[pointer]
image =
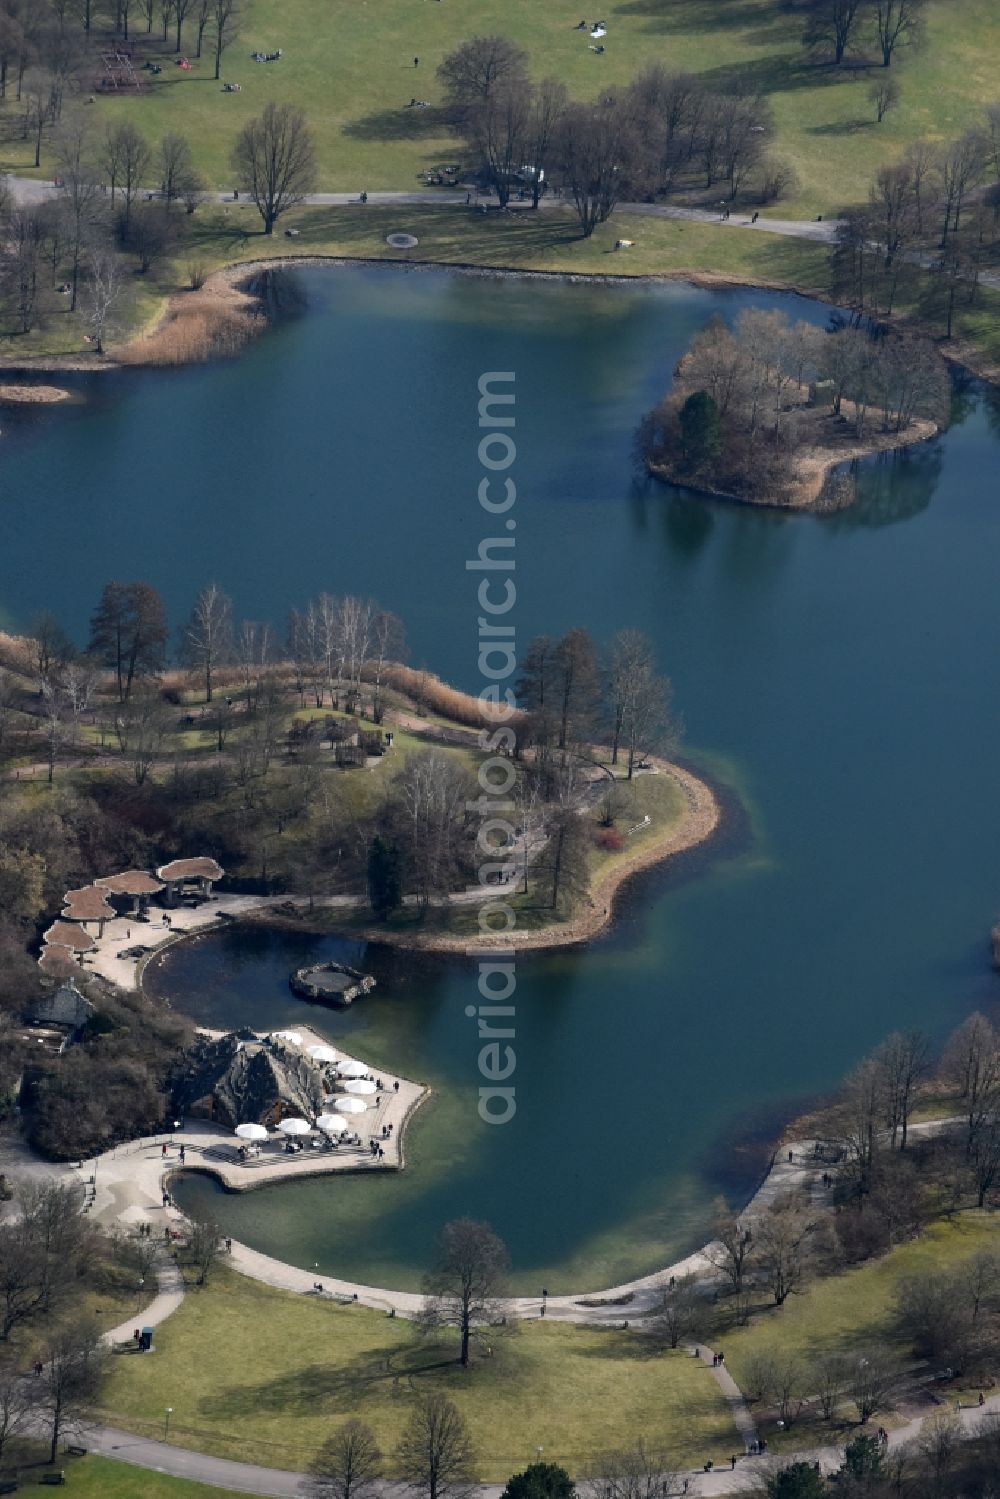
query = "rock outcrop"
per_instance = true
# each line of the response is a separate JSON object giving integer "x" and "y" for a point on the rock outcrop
{"x": 330, "y": 984}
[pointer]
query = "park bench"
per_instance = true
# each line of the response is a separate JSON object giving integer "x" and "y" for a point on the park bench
{"x": 8, "y": 1486}
{"x": 77, "y": 1451}
{"x": 52, "y": 1479}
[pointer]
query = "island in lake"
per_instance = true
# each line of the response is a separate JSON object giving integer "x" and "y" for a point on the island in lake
{"x": 768, "y": 411}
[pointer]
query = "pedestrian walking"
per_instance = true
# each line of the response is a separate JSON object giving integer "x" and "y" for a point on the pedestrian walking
{"x": 416, "y": 62}
{"x": 163, "y": 1150}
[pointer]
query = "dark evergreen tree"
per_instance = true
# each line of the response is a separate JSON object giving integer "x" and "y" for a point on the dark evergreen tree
{"x": 385, "y": 884}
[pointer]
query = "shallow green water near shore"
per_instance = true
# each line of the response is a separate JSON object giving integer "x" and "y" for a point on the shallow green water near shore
{"x": 839, "y": 674}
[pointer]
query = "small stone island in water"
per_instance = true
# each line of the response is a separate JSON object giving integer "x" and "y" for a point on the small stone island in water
{"x": 330, "y": 984}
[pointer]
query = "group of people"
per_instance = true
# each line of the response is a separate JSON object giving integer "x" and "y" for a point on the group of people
{"x": 266, "y": 56}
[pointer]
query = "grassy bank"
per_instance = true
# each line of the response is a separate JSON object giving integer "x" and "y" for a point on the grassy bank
{"x": 263, "y": 1375}
{"x": 103, "y": 1478}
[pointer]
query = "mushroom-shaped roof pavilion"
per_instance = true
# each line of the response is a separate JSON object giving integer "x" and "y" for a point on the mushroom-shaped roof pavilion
{"x": 68, "y": 934}
{"x": 130, "y": 882}
{"x": 58, "y": 962}
{"x": 87, "y": 904}
{"x": 200, "y": 868}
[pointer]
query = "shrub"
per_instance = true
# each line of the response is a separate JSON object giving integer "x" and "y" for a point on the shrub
{"x": 777, "y": 178}
{"x": 609, "y": 839}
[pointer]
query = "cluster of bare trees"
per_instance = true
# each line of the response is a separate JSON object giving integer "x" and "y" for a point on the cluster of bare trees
{"x": 118, "y": 198}
{"x": 746, "y": 397}
{"x": 574, "y": 697}
{"x": 663, "y": 131}
{"x": 937, "y": 209}
{"x": 45, "y": 1249}
{"x": 840, "y": 29}
{"x": 336, "y": 644}
{"x": 54, "y": 36}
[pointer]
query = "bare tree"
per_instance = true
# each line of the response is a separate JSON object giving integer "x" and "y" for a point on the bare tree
{"x": 176, "y": 167}
{"x": 897, "y": 23}
{"x": 781, "y": 1237}
{"x": 985, "y": 1157}
{"x": 872, "y": 1382}
{"x": 496, "y": 128}
{"x": 732, "y": 1246}
{"x": 203, "y": 1247}
{"x": 21, "y": 266}
{"x": 832, "y": 23}
{"x": 103, "y": 287}
{"x": 679, "y": 1314}
{"x": 388, "y": 644}
{"x": 128, "y": 633}
{"x": 962, "y": 164}
{"x": 73, "y": 1363}
{"x": 971, "y": 1063}
{"x": 126, "y": 159}
{"x": 207, "y": 641}
{"x": 435, "y": 1453}
{"x": 639, "y": 699}
{"x": 477, "y": 69}
{"x": 181, "y": 8}
{"x": 141, "y": 725}
{"x": 275, "y": 161}
{"x": 638, "y": 1472}
{"x": 903, "y": 1059}
{"x": 465, "y": 1286}
{"x": 80, "y": 193}
{"x": 16, "y": 1406}
{"x": 227, "y": 16}
{"x": 884, "y": 95}
{"x": 202, "y": 14}
{"x": 348, "y": 1465}
{"x": 826, "y": 1378}
{"x": 548, "y": 105}
{"x": 598, "y": 154}
{"x": 863, "y": 1110}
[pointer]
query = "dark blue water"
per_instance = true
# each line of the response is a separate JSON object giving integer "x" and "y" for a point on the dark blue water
{"x": 838, "y": 674}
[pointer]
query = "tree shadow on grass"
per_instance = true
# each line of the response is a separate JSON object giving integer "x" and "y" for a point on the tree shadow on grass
{"x": 351, "y": 1387}
{"x": 402, "y": 124}
{"x": 776, "y": 74}
{"x": 841, "y": 127}
{"x": 695, "y": 16}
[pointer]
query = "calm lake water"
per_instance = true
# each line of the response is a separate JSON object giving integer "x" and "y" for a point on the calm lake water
{"x": 838, "y": 675}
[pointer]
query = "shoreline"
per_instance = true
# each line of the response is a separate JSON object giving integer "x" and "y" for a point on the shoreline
{"x": 811, "y": 469}
{"x": 699, "y": 824}
{"x": 225, "y": 290}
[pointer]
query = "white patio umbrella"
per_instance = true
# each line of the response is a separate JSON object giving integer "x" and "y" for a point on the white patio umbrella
{"x": 351, "y": 1068}
{"x": 350, "y": 1106}
{"x": 362, "y": 1086}
{"x": 251, "y": 1132}
{"x": 331, "y": 1124}
{"x": 293, "y": 1038}
{"x": 321, "y": 1053}
{"x": 295, "y": 1127}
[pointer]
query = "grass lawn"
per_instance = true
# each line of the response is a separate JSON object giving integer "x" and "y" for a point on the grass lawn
{"x": 657, "y": 797}
{"x": 349, "y": 64}
{"x": 855, "y": 1309}
{"x": 103, "y": 1478}
{"x": 264, "y": 1375}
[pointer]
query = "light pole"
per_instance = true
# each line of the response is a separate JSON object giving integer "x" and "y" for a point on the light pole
{"x": 166, "y": 1420}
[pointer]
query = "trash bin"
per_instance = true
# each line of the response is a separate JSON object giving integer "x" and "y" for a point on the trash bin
{"x": 146, "y": 1340}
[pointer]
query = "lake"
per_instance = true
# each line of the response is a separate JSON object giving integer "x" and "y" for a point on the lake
{"x": 837, "y": 676}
